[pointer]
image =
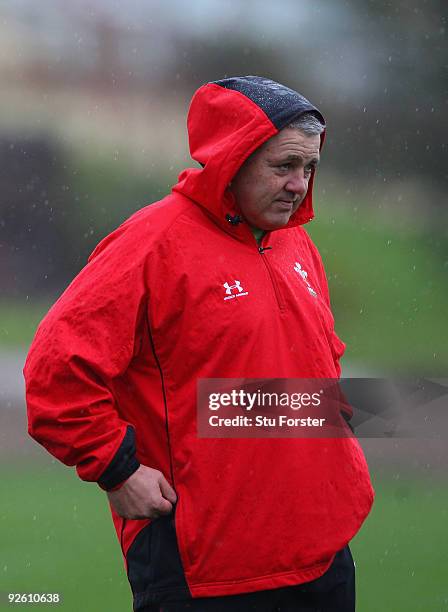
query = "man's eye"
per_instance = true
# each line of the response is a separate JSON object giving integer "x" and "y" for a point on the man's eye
{"x": 308, "y": 170}
{"x": 285, "y": 166}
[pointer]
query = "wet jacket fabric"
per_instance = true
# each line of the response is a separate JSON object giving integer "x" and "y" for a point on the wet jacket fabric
{"x": 112, "y": 372}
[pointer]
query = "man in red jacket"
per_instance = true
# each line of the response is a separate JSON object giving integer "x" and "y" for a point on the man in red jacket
{"x": 204, "y": 523}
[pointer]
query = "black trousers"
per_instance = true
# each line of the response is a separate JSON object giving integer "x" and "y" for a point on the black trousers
{"x": 332, "y": 592}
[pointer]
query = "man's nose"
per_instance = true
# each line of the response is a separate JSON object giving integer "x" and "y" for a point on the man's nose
{"x": 297, "y": 183}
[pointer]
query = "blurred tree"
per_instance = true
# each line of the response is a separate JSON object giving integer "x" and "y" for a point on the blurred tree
{"x": 33, "y": 228}
{"x": 56, "y": 207}
{"x": 211, "y": 58}
{"x": 394, "y": 130}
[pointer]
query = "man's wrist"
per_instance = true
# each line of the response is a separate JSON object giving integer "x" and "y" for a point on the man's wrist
{"x": 118, "y": 486}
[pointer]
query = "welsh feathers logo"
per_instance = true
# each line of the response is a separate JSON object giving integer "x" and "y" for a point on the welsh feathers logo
{"x": 234, "y": 291}
{"x": 298, "y": 268}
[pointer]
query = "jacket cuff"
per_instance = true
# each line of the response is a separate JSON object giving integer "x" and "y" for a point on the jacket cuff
{"x": 123, "y": 465}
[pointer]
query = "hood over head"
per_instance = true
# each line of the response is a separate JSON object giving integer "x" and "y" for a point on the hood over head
{"x": 227, "y": 121}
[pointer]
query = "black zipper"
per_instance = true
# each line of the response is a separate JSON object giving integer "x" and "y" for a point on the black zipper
{"x": 262, "y": 250}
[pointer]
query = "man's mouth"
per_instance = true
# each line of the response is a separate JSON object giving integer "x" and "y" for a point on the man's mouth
{"x": 286, "y": 204}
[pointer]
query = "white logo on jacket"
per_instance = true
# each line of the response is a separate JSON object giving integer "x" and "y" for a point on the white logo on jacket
{"x": 298, "y": 268}
{"x": 234, "y": 291}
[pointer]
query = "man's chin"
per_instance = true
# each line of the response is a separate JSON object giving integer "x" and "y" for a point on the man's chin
{"x": 276, "y": 223}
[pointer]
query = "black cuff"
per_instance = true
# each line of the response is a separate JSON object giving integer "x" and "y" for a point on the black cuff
{"x": 123, "y": 465}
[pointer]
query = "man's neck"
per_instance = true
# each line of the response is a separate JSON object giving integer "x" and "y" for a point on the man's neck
{"x": 258, "y": 233}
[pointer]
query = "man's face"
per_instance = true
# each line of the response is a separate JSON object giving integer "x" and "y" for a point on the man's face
{"x": 270, "y": 185}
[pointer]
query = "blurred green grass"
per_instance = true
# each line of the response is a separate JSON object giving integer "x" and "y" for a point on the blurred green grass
{"x": 401, "y": 553}
{"x": 388, "y": 289}
{"x": 19, "y": 320}
{"x": 57, "y": 536}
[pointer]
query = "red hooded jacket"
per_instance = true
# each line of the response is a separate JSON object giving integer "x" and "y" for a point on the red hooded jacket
{"x": 112, "y": 372}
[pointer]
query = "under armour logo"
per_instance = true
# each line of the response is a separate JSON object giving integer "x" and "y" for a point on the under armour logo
{"x": 233, "y": 291}
{"x": 236, "y": 286}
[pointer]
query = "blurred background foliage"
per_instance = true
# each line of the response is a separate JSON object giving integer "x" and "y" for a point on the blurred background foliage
{"x": 93, "y": 103}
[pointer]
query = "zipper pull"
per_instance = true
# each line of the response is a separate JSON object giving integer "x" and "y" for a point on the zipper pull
{"x": 263, "y": 249}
